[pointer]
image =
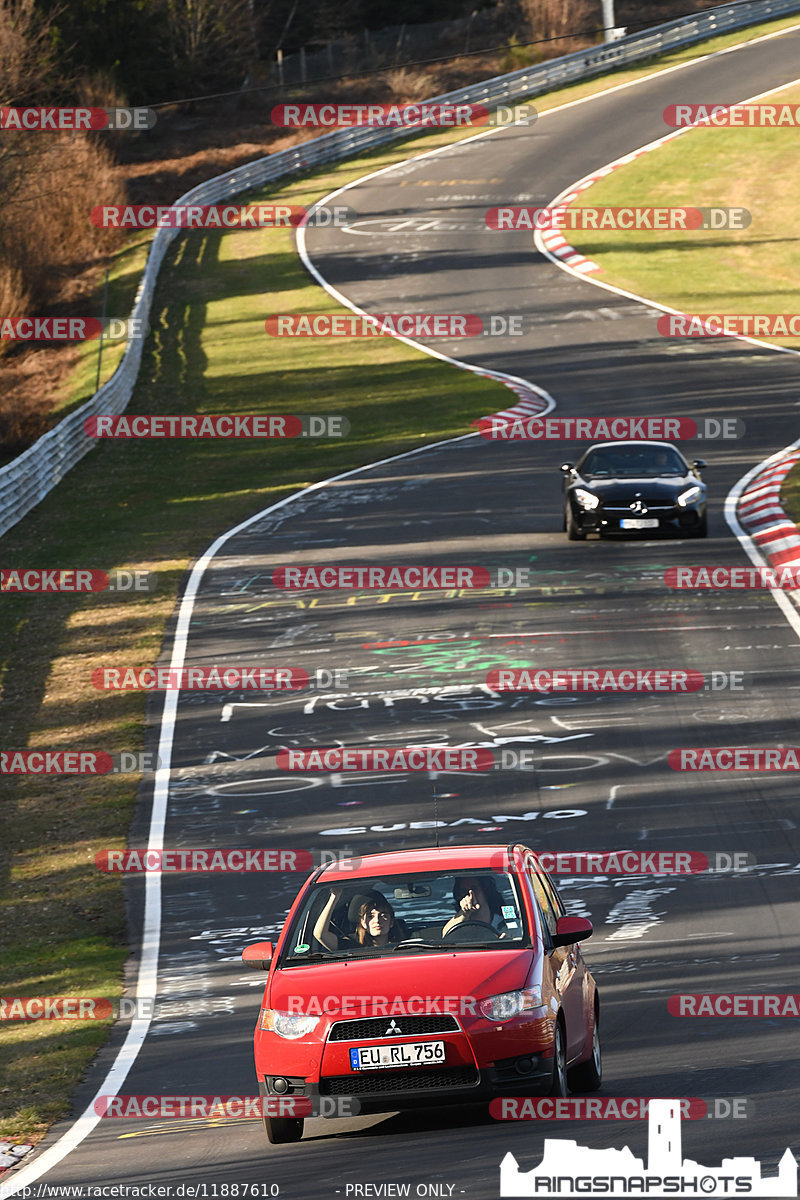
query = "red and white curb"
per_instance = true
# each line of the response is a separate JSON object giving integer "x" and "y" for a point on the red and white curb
{"x": 760, "y": 513}
{"x": 532, "y": 402}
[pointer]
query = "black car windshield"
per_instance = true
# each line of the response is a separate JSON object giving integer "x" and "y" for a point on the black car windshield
{"x": 631, "y": 462}
{"x": 416, "y": 914}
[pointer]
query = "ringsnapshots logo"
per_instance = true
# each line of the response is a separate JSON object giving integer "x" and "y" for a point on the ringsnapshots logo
{"x": 256, "y": 425}
{"x": 597, "y": 429}
{"x": 732, "y": 116}
{"x": 398, "y": 116}
{"x": 54, "y": 120}
{"x": 568, "y": 1169}
{"x": 46, "y": 580}
{"x": 639, "y": 219}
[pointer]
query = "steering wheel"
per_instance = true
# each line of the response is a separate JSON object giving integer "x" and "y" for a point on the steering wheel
{"x": 454, "y": 934}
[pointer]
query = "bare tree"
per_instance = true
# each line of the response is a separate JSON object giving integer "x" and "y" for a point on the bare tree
{"x": 208, "y": 40}
{"x": 551, "y": 19}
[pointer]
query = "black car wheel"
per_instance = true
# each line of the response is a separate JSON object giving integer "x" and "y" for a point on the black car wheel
{"x": 559, "y": 1085}
{"x": 574, "y": 534}
{"x": 588, "y": 1076}
{"x": 281, "y": 1130}
{"x": 701, "y": 528}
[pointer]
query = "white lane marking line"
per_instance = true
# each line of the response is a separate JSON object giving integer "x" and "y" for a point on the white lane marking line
{"x": 147, "y": 976}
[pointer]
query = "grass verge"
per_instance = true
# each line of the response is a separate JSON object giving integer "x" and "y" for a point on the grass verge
{"x": 155, "y": 506}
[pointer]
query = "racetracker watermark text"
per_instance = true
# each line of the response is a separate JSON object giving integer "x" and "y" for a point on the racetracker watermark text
{"x": 609, "y": 1108}
{"x": 724, "y": 116}
{"x": 57, "y": 579}
{"x": 731, "y": 1004}
{"x": 258, "y": 425}
{"x": 163, "y": 679}
{"x": 394, "y": 116}
{"x": 736, "y": 758}
{"x": 216, "y": 216}
{"x": 594, "y": 429}
{"x": 736, "y": 578}
{"x": 771, "y": 325}
{"x": 625, "y": 679}
{"x": 76, "y": 119}
{"x": 643, "y": 218}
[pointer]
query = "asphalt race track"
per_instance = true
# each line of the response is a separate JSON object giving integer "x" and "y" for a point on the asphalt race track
{"x": 416, "y": 667}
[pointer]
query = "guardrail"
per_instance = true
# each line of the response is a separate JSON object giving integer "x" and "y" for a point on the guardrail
{"x": 28, "y": 479}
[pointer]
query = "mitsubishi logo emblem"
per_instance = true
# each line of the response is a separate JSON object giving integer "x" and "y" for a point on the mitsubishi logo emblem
{"x": 393, "y": 1028}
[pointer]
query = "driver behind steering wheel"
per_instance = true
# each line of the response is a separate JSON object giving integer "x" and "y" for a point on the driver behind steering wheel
{"x": 477, "y": 900}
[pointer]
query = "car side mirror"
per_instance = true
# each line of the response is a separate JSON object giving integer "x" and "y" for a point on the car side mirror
{"x": 565, "y": 467}
{"x": 572, "y": 929}
{"x": 258, "y": 956}
{"x": 699, "y": 462}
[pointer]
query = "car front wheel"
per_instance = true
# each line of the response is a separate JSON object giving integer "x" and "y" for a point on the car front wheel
{"x": 574, "y": 534}
{"x": 559, "y": 1085}
{"x": 701, "y": 528}
{"x": 588, "y": 1076}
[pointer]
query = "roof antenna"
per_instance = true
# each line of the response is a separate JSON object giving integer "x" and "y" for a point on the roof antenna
{"x": 436, "y": 815}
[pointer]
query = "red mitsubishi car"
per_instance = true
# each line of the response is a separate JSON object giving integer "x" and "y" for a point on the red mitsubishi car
{"x": 424, "y": 977}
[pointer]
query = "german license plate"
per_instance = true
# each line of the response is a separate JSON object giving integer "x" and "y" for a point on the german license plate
{"x": 639, "y": 523}
{"x": 408, "y": 1054}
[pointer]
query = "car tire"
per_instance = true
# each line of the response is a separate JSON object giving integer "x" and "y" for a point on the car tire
{"x": 280, "y": 1130}
{"x": 588, "y": 1076}
{"x": 574, "y": 534}
{"x": 701, "y": 528}
{"x": 559, "y": 1086}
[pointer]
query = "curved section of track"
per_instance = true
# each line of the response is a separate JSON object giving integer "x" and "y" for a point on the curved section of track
{"x": 416, "y": 667}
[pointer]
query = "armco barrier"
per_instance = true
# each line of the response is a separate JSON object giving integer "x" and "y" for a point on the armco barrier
{"x": 28, "y": 479}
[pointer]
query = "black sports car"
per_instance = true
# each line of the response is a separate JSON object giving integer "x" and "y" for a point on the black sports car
{"x": 616, "y": 487}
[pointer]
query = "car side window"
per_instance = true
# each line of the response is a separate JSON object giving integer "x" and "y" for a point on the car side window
{"x": 555, "y": 899}
{"x": 544, "y": 900}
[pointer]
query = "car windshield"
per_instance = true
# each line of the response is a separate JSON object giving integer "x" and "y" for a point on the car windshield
{"x": 422, "y": 913}
{"x": 631, "y": 462}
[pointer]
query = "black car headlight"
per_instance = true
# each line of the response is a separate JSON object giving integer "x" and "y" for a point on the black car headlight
{"x": 586, "y": 499}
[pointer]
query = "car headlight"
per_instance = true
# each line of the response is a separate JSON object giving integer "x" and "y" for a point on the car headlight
{"x": 511, "y": 1004}
{"x": 689, "y": 496}
{"x": 287, "y": 1025}
{"x": 586, "y": 499}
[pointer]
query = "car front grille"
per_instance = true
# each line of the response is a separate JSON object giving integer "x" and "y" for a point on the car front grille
{"x": 629, "y": 512}
{"x": 392, "y": 1027}
{"x": 374, "y": 1083}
